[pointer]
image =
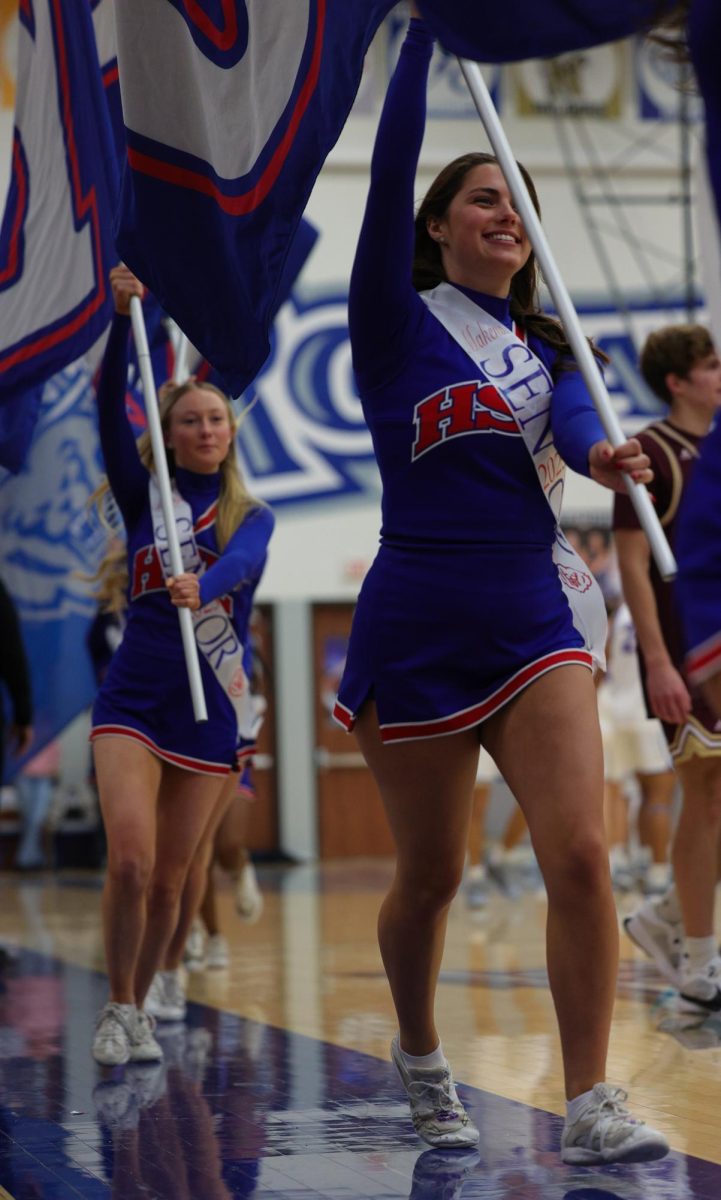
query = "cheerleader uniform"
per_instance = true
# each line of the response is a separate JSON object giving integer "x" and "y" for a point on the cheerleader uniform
{"x": 145, "y": 694}
{"x": 462, "y": 607}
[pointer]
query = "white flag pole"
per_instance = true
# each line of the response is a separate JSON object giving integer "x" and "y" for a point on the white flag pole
{"x": 640, "y": 498}
{"x": 190, "y": 646}
{"x": 182, "y": 349}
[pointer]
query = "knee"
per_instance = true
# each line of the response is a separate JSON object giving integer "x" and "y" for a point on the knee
{"x": 580, "y": 869}
{"x": 432, "y": 888}
{"x": 129, "y": 872}
{"x": 165, "y": 890}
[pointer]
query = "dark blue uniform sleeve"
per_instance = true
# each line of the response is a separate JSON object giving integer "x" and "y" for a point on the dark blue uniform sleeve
{"x": 243, "y": 557}
{"x": 575, "y": 422}
{"x": 127, "y": 476}
{"x": 383, "y": 307}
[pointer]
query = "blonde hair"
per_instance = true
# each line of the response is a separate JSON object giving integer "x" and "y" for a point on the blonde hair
{"x": 234, "y": 501}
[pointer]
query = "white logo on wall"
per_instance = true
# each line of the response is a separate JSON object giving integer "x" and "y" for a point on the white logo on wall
{"x": 306, "y": 436}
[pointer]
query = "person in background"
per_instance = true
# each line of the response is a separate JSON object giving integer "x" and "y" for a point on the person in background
{"x": 35, "y": 784}
{"x": 159, "y": 772}
{"x": 15, "y": 678}
{"x": 635, "y": 756}
{"x": 682, "y": 367}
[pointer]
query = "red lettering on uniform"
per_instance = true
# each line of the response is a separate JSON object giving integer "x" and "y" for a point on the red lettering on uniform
{"x": 457, "y": 410}
{"x": 147, "y": 575}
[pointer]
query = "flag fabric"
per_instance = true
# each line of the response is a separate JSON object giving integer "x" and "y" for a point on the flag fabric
{"x": 56, "y": 244}
{"x": 50, "y": 541}
{"x": 521, "y": 29}
{"x": 230, "y": 108}
{"x": 704, "y": 31}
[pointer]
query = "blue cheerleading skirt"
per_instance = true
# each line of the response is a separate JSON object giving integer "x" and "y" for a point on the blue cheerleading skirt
{"x": 443, "y": 637}
{"x": 146, "y": 697}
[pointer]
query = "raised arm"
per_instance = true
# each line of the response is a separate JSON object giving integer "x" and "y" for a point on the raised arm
{"x": 127, "y": 476}
{"x": 383, "y": 308}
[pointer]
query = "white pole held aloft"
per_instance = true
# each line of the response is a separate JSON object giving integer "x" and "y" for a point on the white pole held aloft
{"x": 588, "y": 366}
{"x": 182, "y": 348}
{"x": 162, "y": 476}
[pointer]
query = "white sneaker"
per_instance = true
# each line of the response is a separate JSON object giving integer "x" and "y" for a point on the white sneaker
{"x": 115, "y": 1104}
{"x": 216, "y": 952}
{"x": 622, "y": 873}
{"x": 699, "y": 991}
{"x": 248, "y": 896}
{"x": 194, "y": 956}
{"x": 111, "y": 1042}
{"x": 166, "y": 996}
{"x": 147, "y": 1081}
{"x": 605, "y": 1132}
{"x": 661, "y": 940}
{"x": 143, "y": 1046}
{"x": 437, "y": 1114}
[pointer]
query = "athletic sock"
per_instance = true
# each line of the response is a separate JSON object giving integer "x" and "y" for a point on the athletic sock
{"x": 424, "y": 1062}
{"x": 574, "y": 1107}
{"x": 697, "y": 952}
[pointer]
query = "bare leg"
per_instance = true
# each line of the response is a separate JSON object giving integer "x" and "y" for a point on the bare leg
{"x": 198, "y": 877}
{"x": 516, "y": 829}
{"x": 695, "y": 847}
{"x": 654, "y": 818}
{"x": 128, "y": 777}
{"x": 209, "y": 907}
{"x": 547, "y": 745}
{"x": 615, "y": 813}
{"x": 477, "y": 829}
{"x": 426, "y": 788}
{"x": 185, "y": 803}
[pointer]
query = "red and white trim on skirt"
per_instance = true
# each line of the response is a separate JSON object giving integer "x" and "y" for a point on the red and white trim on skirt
{"x": 704, "y": 660}
{"x": 467, "y": 717}
{"x": 198, "y": 765}
{"x": 244, "y": 754}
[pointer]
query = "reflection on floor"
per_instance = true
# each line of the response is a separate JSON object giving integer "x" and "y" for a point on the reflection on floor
{"x": 279, "y": 1086}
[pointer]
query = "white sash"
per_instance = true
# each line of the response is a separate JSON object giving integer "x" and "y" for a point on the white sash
{"x": 214, "y": 630}
{"x": 510, "y": 366}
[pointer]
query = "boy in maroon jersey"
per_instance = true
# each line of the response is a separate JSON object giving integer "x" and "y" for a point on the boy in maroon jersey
{"x": 682, "y": 367}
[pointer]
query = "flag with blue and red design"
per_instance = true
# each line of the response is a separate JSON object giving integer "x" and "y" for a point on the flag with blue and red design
{"x": 230, "y": 109}
{"x": 520, "y": 29}
{"x": 56, "y": 244}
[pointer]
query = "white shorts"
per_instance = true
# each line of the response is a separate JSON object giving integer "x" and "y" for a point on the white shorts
{"x": 637, "y": 746}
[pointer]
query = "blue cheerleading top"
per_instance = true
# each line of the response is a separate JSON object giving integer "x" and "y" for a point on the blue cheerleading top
{"x": 454, "y": 469}
{"x": 152, "y": 620}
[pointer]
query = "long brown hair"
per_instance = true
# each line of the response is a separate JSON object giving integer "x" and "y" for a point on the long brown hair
{"x": 428, "y": 269}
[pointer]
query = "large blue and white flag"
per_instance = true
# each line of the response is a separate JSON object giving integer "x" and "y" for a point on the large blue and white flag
{"x": 56, "y": 244}
{"x": 50, "y": 542}
{"x": 230, "y": 108}
{"x": 521, "y": 29}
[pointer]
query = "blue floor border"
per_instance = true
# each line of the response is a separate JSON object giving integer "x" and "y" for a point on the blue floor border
{"x": 241, "y": 1109}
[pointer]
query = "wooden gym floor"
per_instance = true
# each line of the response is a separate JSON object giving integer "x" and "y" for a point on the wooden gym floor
{"x": 279, "y": 1083}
